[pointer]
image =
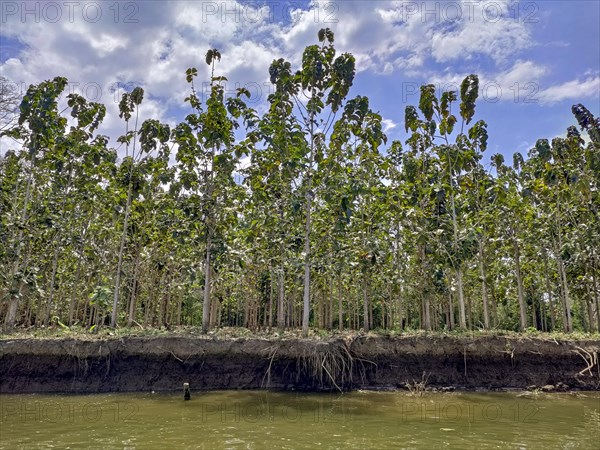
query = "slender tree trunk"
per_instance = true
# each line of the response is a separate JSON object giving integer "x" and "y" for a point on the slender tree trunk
{"x": 281, "y": 298}
{"x": 115, "y": 308}
{"x": 494, "y": 306}
{"x": 590, "y": 306}
{"x": 596, "y": 295}
{"x": 340, "y": 309}
{"x": 562, "y": 270}
{"x": 13, "y": 307}
{"x": 330, "y": 305}
{"x": 426, "y": 314}
{"x": 565, "y": 289}
{"x": 207, "y": 286}
{"x": 178, "y": 320}
{"x": 73, "y": 305}
{"x": 459, "y": 270}
{"x": 133, "y": 297}
{"x": 52, "y": 283}
{"x": 461, "y": 298}
{"x": 484, "y": 295}
{"x": 534, "y": 320}
{"x": 549, "y": 292}
{"x": 271, "y": 289}
{"x": 451, "y": 311}
{"x": 365, "y": 303}
{"x": 306, "y": 297}
{"x": 521, "y": 296}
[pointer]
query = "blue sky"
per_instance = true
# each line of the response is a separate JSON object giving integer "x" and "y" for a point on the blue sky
{"x": 534, "y": 59}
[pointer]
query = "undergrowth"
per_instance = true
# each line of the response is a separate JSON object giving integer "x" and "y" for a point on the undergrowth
{"x": 77, "y": 332}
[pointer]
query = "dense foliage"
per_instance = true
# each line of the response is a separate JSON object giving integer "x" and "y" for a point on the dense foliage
{"x": 327, "y": 226}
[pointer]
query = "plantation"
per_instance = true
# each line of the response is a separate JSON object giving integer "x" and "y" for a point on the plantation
{"x": 302, "y": 217}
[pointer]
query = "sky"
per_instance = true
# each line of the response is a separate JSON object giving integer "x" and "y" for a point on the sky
{"x": 535, "y": 59}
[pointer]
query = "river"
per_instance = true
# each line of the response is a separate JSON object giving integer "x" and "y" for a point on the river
{"x": 291, "y": 420}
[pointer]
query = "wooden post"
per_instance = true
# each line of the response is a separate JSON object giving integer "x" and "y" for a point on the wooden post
{"x": 186, "y": 391}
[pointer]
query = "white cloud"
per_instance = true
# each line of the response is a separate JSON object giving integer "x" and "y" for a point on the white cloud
{"x": 519, "y": 83}
{"x": 487, "y": 28}
{"x": 575, "y": 90}
{"x": 388, "y": 125}
{"x": 386, "y": 37}
{"x": 522, "y": 72}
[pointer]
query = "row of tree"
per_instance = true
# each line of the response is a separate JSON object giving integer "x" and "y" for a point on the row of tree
{"x": 326, "y": 226}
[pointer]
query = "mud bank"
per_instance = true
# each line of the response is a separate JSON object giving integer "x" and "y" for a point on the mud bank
{"x": 164, "y": 363}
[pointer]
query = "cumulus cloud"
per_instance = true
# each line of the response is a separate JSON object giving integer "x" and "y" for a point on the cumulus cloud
{"x": 576, "y": 90}
{"x": 152, "y": 44}
{"x": 388, "y": 125}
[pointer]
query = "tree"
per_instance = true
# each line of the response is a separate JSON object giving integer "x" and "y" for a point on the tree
{"x": 456, "y": 158}
{"x": 9, "y": 103}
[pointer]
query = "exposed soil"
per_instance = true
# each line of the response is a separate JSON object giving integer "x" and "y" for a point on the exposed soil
{"x": 361, "y": 362}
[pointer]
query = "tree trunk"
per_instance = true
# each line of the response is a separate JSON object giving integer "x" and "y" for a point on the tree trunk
{"x": 596, "y": 295}
{"x": 522, "y": 307}
{"x": 207, "y": 286}
{"x": 15, "y": 295}
{"x": 426, "y": 314}
{"x": 306, "y": 297}
{"x": 330, "y": 305}
{"x": 113, "y": 319}
{"x": 365, "y": 303}
{"x": 562, "y": 271}
{"x": 281, "y": 299}
{"x": 590, "y": 307}
{"x": 340, "y": 310}
{"x": 565, "y": 289}
{"x": 451, "y": 310}
{"x": 52, "y": 283}
{"x": 484, "y": 295}
{"x": 459, "y": 272}
{"x": 133, "y": 297}
{"x": 549, "y": 292}
{"x": 271, "y": 289}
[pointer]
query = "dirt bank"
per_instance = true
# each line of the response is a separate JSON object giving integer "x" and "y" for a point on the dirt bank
{"x": 164, "y": 363}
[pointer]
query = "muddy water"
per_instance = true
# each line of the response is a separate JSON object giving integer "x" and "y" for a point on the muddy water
{"x": 268, "y": 420}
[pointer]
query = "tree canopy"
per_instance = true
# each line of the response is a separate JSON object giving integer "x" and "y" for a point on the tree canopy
{"x": 328, "y": 226}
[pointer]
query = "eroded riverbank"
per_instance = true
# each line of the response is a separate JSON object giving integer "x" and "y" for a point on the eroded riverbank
{"x": 133, "y": 364}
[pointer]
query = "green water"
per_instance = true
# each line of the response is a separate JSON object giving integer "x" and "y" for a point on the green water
{"x": 268, "y": 420}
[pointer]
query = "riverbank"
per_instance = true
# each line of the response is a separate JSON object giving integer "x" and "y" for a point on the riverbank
{"x": 352, "y": 361}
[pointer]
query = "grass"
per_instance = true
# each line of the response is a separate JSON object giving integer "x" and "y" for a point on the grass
{"x": 61, "y": 332}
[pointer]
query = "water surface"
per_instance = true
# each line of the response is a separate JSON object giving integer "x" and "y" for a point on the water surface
{"x": 275, "y": 420}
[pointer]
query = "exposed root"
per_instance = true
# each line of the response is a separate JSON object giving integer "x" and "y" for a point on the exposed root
{"x": 590, "y": 359}
{"x": 267, "y": 374}
{"x": 174, "y": 355}
{"x": 324, "y": 365}
{"x": 418, "y": 388}
{"x": 328, "y": 364}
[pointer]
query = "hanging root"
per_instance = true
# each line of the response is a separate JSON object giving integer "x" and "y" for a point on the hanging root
{"x": 328, "y": 364}
{"x": 418, "y": 388}
{"x": 267, "y": 375}
{"x": 590, "y": 359}
{"x": 323, "y": 365}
